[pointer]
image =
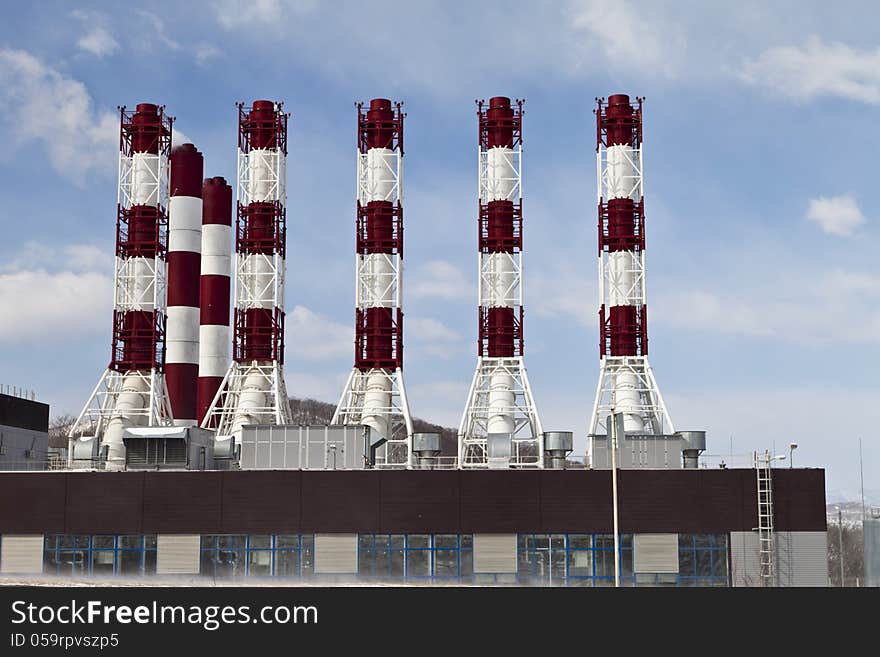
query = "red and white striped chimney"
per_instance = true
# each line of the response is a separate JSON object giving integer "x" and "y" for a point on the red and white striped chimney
{"x": 184, "y": 249}
{"x": 214, "y": 334}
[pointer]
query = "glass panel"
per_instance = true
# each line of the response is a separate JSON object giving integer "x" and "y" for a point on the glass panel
{"x": 150, "y": 542}
{"x": 686, "y": 562}
{"x": 150, "y": 562}
{"x": 397, "y": 540}
{"x": 626, "y": 563}
{"x": 580, "y": 541}
{"x": 539, "y": 542}
{"x": 103, "y": 542}
{"x": 604, "y": 541}
{"x": 206, "y": 562}
{"x": 232, "y": 542}
{"x": 704, "y": 563}
{"x": 287, "y": 541}
{"x": 286, "y": 563}
{"x": 446, "y": 541}
{"x": 259, "y": 562}
{"x": 557, "y": 566}
{"x": 365, "y": 541}
{"x": 208, "y": 542}
{"x": 557, "y": 541}
{"x": 580, "y": 563}
{"x": 445, "y": 563}
{"x": 129, "y": 562}
{"x": 129, "y": 542}
{"x": 307, "y": 562}
{"x": 604, "y": 563}
{"x": 626, "y": 540}
{"x": 418, "y": 563}
{"x": 467, "y": 540}
{"x": 523, "y": 562}
{"x": 719, "y": 563}
{"x": 383, "y": 541}
{"x": 259, "y": 542}
{"x": 703, "y": 540}
{"x": 467, "y": 563}
{"x": 102, "y": 562}
{"x": 396, "y": 559}
{"x": 418, "y": 541}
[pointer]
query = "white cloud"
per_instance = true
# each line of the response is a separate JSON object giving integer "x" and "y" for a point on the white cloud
{"x": 440, "y": 279}
{"x": 431, "y": 338}
{"x": 806, "y": 309}
{"x": 97, "y": 40}
{"x": 205, "y": 52}
{"x": 314, "y": 386}
{"x": 232, "y": 14}
{"x": 39, "y": 104}
{"x": 438, "y": 402}
{"x": 33, "y": 256}
{"x": 836, "y": 215}
{"x": 627, "y": 37}
{"x": 817, "y": 69}
{"x": 38, "y": 304}
{"x": 312, "y": 336}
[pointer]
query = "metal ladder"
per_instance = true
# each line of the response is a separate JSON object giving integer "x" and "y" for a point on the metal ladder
{"x": 766, "y": 548}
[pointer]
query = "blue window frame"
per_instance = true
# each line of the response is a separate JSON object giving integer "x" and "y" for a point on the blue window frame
{"x": 99, "y": 555}
{"x": 702, "y": 560}
{"x": 572, "y": 559}
{"x": 415, "y": 556}
{"x": 261, "y": 555}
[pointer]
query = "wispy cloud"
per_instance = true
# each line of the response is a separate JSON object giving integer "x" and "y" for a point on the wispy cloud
{"x": 97, "y": 39}
{"x": 315, "y": 337}
{"x": 816, "y": 69}
{"x": 440, "y": 279}
{"x": 836, "y": 215}
{"x": 40, "y": 104}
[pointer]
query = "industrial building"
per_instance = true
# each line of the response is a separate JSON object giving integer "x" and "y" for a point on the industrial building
{"x": 185, "y": 462}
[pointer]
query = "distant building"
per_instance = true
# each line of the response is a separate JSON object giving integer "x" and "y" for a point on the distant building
{"x": 24, "y": 433}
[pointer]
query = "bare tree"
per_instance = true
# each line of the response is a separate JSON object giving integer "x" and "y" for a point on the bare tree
{"x": 59, "y": 427}
{"x": 853, "y": 554}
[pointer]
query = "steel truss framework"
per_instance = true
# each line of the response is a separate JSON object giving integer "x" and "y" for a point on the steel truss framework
{"x": 397, "y": 451}
{"x": 500, "y": 268}
{"x": 139, "y": 283}
{"x": 622, "y": 283}
{"x": 528, "y": 448}
{"x": 259, "y": 280}
{"x": 268, "y": 378}
{"x": 378, "y": 284}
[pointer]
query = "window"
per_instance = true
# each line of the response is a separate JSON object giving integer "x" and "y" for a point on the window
{"x": 572, "y": 559}
{"x": 702, "y": 560}
{"x": 394, "y": 556}
{"x": 100, "y": 555}
{"x": 263, "y": 555}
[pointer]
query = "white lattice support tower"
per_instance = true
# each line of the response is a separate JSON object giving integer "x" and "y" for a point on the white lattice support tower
{"x": 626, "y": 381}
{"x": 132, "y": 391}
{"x": 374, "y": 394}
{"x": 253, "y": 390}
{"x": 500, "y": 399}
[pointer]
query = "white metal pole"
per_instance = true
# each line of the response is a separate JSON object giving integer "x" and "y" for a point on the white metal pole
{"x": 614, "y": 496}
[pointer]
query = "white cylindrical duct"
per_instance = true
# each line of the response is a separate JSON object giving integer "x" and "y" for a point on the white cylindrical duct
{"x": 381, "y": 174}
{"x": 379, "y": 290}
{"x": 257, "y": 282}
{"x": 500, "y": 290}
{"x": 627, "y": 399}
{"x": 622, "y": 278}
{"x": 263, "y": 183}
{"x": 501, "y": 404}
{"x": 621, "y": 174}
{"x": 144, "y": 179}
{"x": 377, "y": 399}
{"x": 251, "y": 403}
{"x": 128, "y": 412}
{"x": 501, "y": 175}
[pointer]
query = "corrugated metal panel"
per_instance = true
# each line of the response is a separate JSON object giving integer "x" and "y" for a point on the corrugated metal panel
{"x": 872, "y": 551}
{"x": 177, "y": 555}
{"x": 494, "y": 553}
{"x": 809, "y": 551}
{"x": 336, "y": 554}
{"x": 745, "y": 564}
{"x": 21, "y": 554}
{"x": 655, "y": 553}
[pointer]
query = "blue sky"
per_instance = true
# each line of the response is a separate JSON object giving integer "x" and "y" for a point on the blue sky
{"x": 760, "y": 179}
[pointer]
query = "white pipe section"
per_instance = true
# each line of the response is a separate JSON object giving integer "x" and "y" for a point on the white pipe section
{"x": 501, "y": 401}
{"x": 257, "y": 278}
{"x": 377, "y": 401}
{"x": 129, "y": 404}
{"x": 381, "y": 174}
{"x": 185, "y": 224}
{"x": 263, "y": 175}
{"x": 144, "y": 179}
{"x": 501, "y": 288}
{"x": 216, "y": 246}
{"x": 627, "y": 400}
{"x": 621, "y": 174}
{"x": 501, "y": 175}
{"x": 251, "y": 401}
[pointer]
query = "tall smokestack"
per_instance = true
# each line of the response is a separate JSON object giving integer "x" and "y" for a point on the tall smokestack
{"x": 184, "y": 257}
{"x": 374, "y": 394}
{"x": 253, "y": 391}
{"x": 132, "y": 391}
{"x": 500, "y": 401}
{"x": 214, "y": 334}
{"x": 626, "y": 381}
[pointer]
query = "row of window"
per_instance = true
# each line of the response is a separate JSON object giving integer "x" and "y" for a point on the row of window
{"x": 542, "y": 559}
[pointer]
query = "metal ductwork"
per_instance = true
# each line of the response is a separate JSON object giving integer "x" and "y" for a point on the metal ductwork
{"x": 426, "y": 449}
{"x": 557, "y": 446}
{"x": 693, "y": 443}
